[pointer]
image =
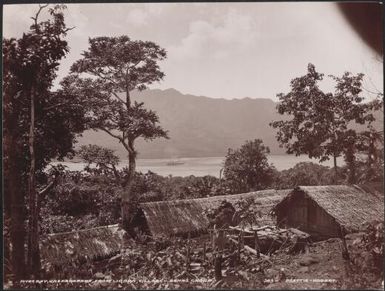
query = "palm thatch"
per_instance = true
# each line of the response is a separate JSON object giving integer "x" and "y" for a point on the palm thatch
{"x": 188, "y": 216}
{"x": 87, "y": 244}
{"x": 350, "y": 206}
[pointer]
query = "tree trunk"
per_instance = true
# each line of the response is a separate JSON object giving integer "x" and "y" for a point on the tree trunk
{"x": 370, "y": 173}
{"x": 129, "y": 199}
{"x": 335, "y": 164}
{"x": 14, "y": 192}
{"x": 350, "y": 161}
{"x": 17, "y": 226}
{"x": 33, "y": 234}
{"x": 335, "y": 156}
{"x": 17, "y": 231}
{"x": 128, "y": 99}
{"x": 335, "y": 178}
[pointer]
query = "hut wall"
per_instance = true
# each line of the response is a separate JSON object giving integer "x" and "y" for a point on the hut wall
{"x": 299, "y": 214}
{"x": 303, "y": 213}
{"x": 294, "y": 213}
{"x": 319, "y": 222}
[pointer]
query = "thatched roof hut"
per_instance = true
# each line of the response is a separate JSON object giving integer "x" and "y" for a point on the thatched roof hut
{"x": 180, "y": 217}
{"x": 86, "y": 244}
{"x": 325, "y": 210}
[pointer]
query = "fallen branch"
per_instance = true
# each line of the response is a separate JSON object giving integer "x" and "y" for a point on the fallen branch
{"x": 299, "y": 233}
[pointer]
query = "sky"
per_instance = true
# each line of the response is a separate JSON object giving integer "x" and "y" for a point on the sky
{"x": 223, "y": 50}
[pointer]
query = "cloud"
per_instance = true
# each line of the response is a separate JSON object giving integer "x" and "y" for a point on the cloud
{"x": 17, "y": 18}
{"x": 141, "y": 15}
{"x": 75, "y": 17}
{"x": 235, "y": 31}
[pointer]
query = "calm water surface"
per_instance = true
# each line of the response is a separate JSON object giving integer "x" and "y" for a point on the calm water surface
{"x": 199, "y": 166}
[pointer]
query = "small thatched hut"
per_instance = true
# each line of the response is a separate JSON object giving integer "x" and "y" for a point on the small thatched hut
{"x": 66, "y": 248}
{"x": 325, "y": 211}
{"x": 180, "y": 217}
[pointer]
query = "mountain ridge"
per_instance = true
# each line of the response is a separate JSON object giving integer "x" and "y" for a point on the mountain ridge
{"x": 199, "y": 126}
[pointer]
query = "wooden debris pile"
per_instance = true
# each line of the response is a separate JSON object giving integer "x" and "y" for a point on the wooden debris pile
{"x": 181, "y": 264}
{"x": 225, "y": 257}
{"x": 231, "y": 254}
{"x": 269, "y": 239}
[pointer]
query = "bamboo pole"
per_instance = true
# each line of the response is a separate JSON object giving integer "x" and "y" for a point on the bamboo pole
{"x": 204, "y": 252}
{"x": 220, "y": 240}
{"x": 256, "y": 242}
{"x": 239, "y": 248}
{"x": 242, "y": 237}
{"x": 218, "y": 267}
{"x": 188, "y": 260}
{"x": 345, "y": 252}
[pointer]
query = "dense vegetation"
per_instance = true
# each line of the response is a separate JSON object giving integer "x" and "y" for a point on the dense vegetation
{"x": 41, "y": 125}
{"x": 92, "y": 198}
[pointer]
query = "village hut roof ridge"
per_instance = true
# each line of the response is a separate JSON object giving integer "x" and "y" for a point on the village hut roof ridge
{"x": 235, "y": 197}
{"x": 56, "y": 234}
{"x": 350, "y": 205}
{"x": 184, "y": 216}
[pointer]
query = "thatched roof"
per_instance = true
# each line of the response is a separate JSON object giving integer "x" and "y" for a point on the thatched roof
{"x": 87, "y": 244}
{"x": 350, "y": 206}
{"x": 188, "y": 216}
{"x": 375, "y": 188}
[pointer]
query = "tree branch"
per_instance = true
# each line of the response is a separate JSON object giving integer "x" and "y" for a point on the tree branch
{"x": 68, "y": 29}
{"x": 58, "y": 105}
{"x": 103, "y": 76}
{"x": 41, "y": 7}
{"x": 110, "y": 133}
{"x": 119, "y": 99}
{"x": 133, "y": 66}
{"x": 121, "y": 140}
{"x": 43, "y": 191}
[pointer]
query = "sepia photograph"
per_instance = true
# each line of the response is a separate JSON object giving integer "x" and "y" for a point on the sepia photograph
{"x": 193, "y": 145}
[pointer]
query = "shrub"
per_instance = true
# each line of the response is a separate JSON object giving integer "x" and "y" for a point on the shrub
{"x": 367, "y": 258}
{"x": 304, "y": 174}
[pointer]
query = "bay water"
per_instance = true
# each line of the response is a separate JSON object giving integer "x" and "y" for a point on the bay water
{"x": 199, "y": 166}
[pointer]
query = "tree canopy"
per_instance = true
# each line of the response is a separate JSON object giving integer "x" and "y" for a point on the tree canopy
{"x": 33, "y": 61}
{"x": 105, "y": 76}
{"x": 319, "y": 123}
{"x": 122, "y": 64}
{"x": 247, "y": 168}
{"x": 303, "y": 174}
{"x": 102, "y": 158}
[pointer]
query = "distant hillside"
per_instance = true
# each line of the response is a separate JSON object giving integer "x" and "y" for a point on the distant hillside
{"x": 199, "y": 126}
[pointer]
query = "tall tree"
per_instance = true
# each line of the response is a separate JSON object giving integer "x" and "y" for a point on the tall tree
{"x": 319, "y": 124}
{"x": 108, "y": 72}
{"x": 247, "y": 168}
{"x": 38, "y": 125}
